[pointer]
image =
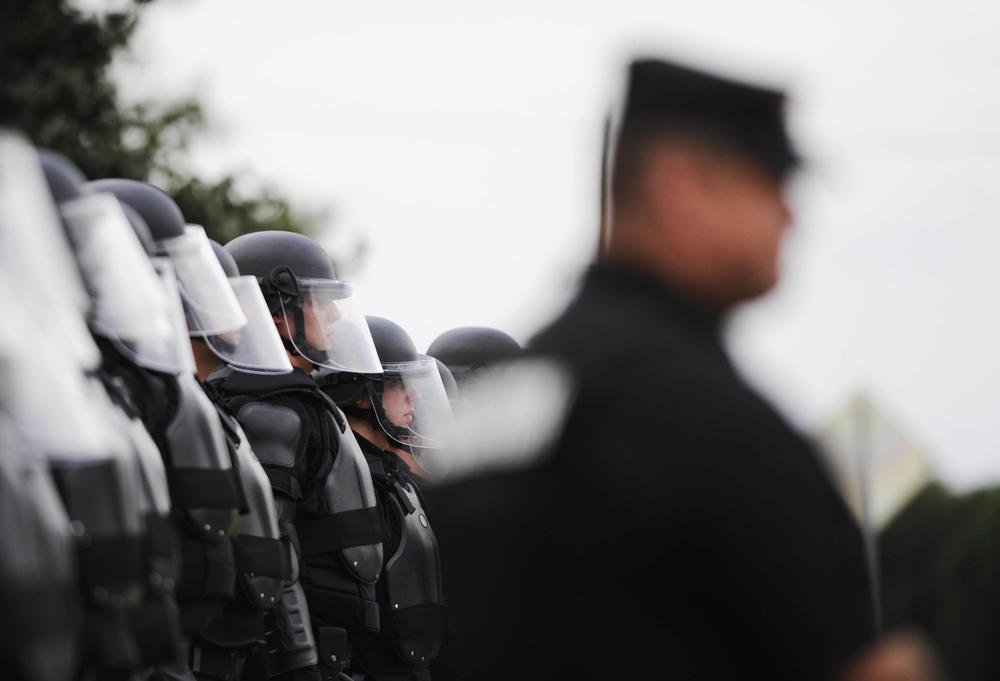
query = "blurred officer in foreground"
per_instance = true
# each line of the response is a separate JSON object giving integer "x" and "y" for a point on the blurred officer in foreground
{"x": 44, "y": 598}
{"x": 467, "y": 350}
{"x": 681, "y": 529}
{"x": 396, "y": 416}
{"x": 322, "y": 489}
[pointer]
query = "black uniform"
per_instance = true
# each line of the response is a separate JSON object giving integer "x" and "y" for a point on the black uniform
{"x": 681, "y": 529}
{"x": 412, "y": 631}
{"x": 207, "y": 497}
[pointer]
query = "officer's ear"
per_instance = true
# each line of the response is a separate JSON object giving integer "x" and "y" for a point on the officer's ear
{"x": 364, "y": 402}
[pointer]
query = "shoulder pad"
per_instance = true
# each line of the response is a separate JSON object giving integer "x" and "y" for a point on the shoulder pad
{"x": 274, "y": 431}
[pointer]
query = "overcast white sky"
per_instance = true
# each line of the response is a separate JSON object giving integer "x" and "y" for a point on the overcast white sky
{"x": 461, "y": 144}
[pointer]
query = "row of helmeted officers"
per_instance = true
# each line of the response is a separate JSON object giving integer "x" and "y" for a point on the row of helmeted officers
{"x": 210, "y": 459}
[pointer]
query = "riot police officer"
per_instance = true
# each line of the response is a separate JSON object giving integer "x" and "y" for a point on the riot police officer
{"x": 396, "y": 416}
{"x": 322, "y": 488}
{"x": 264, "y": 560}
{"x": 204, "y": 486}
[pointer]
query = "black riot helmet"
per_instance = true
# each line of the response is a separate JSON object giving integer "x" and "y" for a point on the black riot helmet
{"x": 467, "y": 349}
{"x": 447, "y": 379}
{"x": 162, "y": 215}
{"x": 257, "y": 348}
{"x": 318, "y": 312}
{"x": 409, "y": 399}
{"x": 210, "y": 307}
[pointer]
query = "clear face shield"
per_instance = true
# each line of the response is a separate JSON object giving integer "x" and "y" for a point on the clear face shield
{"x": 35, "y": 254}
{"x": 411, "y": 404}
{"x": 128, "y": 298}
{"x": 57, "y": 410}
{"x": 257, "y": 347}
{"x": 170, "y": 354}
{"x": 210, "y": 306}
{"x": 326, "y": 326}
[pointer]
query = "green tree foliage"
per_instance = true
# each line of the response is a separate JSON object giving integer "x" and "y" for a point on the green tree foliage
{"x": 55, "y": 87}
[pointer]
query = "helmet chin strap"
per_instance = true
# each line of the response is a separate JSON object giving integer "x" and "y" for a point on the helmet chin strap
{"x": 397, "y": 434}
{"x": 299, "y": 346}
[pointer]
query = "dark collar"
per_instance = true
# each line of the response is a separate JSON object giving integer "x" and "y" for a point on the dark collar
{"x": 390, "y": 459}
{"x": 635, "y": 284}
{"x": 229, "y": 380}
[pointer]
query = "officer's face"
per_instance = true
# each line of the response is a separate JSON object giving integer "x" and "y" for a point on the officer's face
{"x": 397, "y": 402}
{"x": 751, "y": 221}
{"x": 718, "y": 220}
{"x": 320, "y": 313}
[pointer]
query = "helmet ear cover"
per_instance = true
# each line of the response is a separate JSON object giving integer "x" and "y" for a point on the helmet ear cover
{"x": 279, "y": 285}
{"x": 345, "y": 389}
{"x": 283, "y": 280}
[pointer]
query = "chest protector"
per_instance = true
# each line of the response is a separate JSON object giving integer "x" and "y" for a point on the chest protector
{"x": 164, "y": 558}
{"x": 338, "y": 528}
{"x": 350, "y": 499}
{"x": 342, "y": 543}
{"x": 155, "y": 622}
{"x": 201, "y": 477}
{"x": 410, "y": 589}
{"x": 263, "y": 559}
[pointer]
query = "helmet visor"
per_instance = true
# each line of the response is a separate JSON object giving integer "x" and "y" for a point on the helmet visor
{"x": 413, "y": 407}
{"x": 256, "y": 348}
{"x": 35, "y": 254}
{"x": 61, "y": 413}
{"x": 209, "y": 303}
{"x": 128, "y": 299}
{"x": 170, "y": 354}
{"x": 326, "y": 326}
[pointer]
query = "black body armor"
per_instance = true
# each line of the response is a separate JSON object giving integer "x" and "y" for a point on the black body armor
{"x": 156, "y": 622}
{"x": 321, "y": 480}
{"x": 409, "y": 591}
{"x": 204, "y": 489}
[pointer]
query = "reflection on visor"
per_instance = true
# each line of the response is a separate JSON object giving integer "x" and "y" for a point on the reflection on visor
{"x": 56, "y": 408}
{"x": 128, "y": 298}
{"x": 209, "y": 303}
{"x": 172, "y": 353}
{"x": 257, "y": 347}
{"x": 413, "y": 405}
{"x": 35, "y": 252}
{"x": 327, "y": 327}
